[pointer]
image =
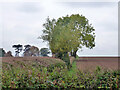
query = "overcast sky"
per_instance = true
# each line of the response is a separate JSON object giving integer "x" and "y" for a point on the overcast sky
{"x": 21, "y": 23}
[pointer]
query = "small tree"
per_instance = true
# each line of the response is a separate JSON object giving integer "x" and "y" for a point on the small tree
{"x": 2, "y": 52}
{"x": 31, "y": 50}
{"x": 34, "y": 51}
{"x": 8, "y": 54}
{"x": 44, "y": 51}
{"x": 27, "y": 50}
{"x": 18, "y": 49}
{"x": 27, "y": 47}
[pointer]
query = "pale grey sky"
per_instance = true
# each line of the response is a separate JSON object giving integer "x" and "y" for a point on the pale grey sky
{"x": 21, "y": 23}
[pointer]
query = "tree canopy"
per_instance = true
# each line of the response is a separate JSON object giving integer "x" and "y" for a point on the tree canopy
{"x": 2, "y": 52}
{"x": 31, "y": 50}
{"x": 18, "y": 49}
{"x": 68, "y": 34}
{"x": 44, "y": 51}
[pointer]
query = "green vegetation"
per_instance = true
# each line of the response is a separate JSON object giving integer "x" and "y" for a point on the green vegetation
{"x": 57, "y": 76}
{"x": 2, "y": 52}
{"x": 44, "y": 51}
{"x": 67, "y": 35}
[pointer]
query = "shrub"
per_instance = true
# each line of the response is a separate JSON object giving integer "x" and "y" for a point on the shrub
{"x": 51, "y": 67}
{"x": 66, "y": 59}
{"x": 57, "y": 77}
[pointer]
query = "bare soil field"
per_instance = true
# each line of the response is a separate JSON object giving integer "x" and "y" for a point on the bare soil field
{"x": 84, "y": 63}
{"x": 90, "y": 63}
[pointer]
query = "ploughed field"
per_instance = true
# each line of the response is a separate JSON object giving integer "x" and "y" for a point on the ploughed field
{"x": 30, "y": 61}
{"x": 84, "y": 63}
{"x": 90, "y": 63}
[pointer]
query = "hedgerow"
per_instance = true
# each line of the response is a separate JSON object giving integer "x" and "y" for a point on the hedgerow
{"x": 57, "y": 76}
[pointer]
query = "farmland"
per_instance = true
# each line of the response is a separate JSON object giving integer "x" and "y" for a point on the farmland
{"x": 45, "y": 72}
{"x": 90, "y": 63}
{"x": 83, "y": 63}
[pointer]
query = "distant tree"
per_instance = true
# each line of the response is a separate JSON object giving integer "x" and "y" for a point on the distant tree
{"x": 18, "y": 49}
{"x": 26, "y": 50}
{"x": 44, "y": 51}
{"x": 31, "y": 50}
{"x": 34, "y": 51}
{"x": 2, "y": 52}
{"x": 27, "y": 47}
{"x": 8, "y": 54}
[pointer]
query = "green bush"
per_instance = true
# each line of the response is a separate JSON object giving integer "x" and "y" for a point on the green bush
{"x": 58, "y": 77}
{"x": 51, "y": 67}
{"x": 66, "y": 59}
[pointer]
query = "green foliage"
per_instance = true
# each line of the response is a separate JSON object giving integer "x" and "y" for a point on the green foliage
{"x": 53, "y": 66}
{"x": 58, "y": 77}
{"x": 44, "y": 51}
{"x": 73, "y": 70}
{"x": 66, "y": 59}
{"x": 98, "y": 69}
{"x": 68, "y": 34}
{"x": 2, "y": 52}
{"x": 77, "y": 57}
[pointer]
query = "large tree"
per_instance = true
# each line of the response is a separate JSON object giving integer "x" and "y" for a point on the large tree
{"x": 68, "y": 34}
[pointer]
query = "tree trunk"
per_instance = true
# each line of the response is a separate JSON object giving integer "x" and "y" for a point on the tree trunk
{"x": 75, "y": 53}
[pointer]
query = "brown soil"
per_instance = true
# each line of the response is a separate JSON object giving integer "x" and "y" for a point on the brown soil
{"x": 90, "y": 63}
{"x": 84, "y": 63}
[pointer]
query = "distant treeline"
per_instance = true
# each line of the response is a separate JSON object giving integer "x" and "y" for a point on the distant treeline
{"x": 28, "y": 50}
